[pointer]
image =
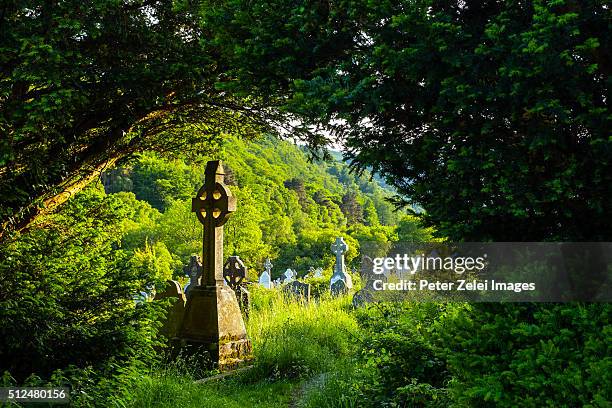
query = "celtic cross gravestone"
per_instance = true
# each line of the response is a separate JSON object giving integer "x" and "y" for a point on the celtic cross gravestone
{"x": 234, "y": 273}
{"x": 339, "y": 248}
{"x": 212, "y": 315}
{"x": 289, "y": 275}
{"x": 265, "y": 279}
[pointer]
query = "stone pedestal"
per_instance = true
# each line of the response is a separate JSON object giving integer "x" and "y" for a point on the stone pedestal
{"x": 213, "y": 320}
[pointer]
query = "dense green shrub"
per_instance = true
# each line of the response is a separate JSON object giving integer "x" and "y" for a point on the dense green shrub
{"x": 396, "y": 364}
{"x": 531, "y": 355}
{"x": 397, "y": 347}
{"x": 483, "y": 355}
{"x": 67, "y": 309}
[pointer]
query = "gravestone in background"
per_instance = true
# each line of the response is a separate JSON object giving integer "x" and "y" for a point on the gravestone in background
{"x": 339, "y": 287}
{"x": 174, "y": 318}
{"x": 314, "y": 272}
{"x": 366, "y": 294}
{"x": 265, "y": 279}
{"x": 362, "y": 297}
{"x": 234, "y": 273}
{"x": 367, "y": 273}
{"x": 212, "y": 319}
{"x": 194, "y": 271}
{"x": 339, "y": 248}
{"x": 289, "y": 275}
{"x": 298, "y": 290}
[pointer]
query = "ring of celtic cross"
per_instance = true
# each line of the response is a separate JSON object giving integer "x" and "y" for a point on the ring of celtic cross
{"x": 220, "y": 203}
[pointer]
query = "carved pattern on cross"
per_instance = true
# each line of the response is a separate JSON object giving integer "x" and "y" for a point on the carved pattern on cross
{"x": 339, "y": 247}
{"x": 214, "y": 202}
{"x": 213, "y": 206}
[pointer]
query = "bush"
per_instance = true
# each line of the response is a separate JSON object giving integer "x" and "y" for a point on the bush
{"x": 397, "y": 347}
{"x": 396, "y": 366}
{"x": 535, "y": 355}
{"x": 67, "y": 313}
{"x": 482, "y": 355}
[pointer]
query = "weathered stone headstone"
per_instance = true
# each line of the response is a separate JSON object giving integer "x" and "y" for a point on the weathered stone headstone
{"x": 318, "y": 273}
{"x": 265, "y": 279}
{"x": 174, "y": 318}
{"x": 212, "y": 315}
{"x": 289, "y": 275}
{"x": 234, "y": 273}
{"x": 366, "y": 294}
{"x": 298, "y": 290}
{"x": 194, "y": 271}
{"x": 339, "y": 248}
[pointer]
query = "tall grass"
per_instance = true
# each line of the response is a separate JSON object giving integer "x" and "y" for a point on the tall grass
{"x": 292, "y": 341}
{"x": 292, "y": 338}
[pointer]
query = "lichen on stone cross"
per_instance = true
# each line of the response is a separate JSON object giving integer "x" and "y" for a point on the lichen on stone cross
{"x": 213, "y": 205}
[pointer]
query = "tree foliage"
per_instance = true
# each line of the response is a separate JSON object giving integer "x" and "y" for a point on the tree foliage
{"x": 67, "y": 310}
{"x": 85, "y": 83}
{"x": 493, "y": 116}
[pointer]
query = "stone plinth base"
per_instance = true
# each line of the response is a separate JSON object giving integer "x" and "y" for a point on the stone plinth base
{"x": 213, "y": 321}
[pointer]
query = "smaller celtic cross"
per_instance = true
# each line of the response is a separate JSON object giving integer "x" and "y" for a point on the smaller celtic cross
{"x": 289, "y": 275}
{"x": 339, "y": 248}
{"x": 234, "y": 272}
{"x": 268, "y": 266}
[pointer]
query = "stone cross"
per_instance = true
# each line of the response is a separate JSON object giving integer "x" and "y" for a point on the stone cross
{"x": 268, "y": 265}
{"x": 212, "y": 320}
{"x": 194, "y": 271}
{"x": 213, "y": 206}
{"x": 234, "y": 272}
{"x": 289, "y": 275}
{"x": 265, "y": 279}
{"x": 339, "y": 248}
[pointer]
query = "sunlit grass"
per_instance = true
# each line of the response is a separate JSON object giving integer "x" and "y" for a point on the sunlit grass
{"x": 292, "y": 341}
{"x": 296, "y": 339}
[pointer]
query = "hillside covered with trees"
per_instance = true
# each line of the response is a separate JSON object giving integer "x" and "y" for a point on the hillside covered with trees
{"x": 290, "y": 207}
